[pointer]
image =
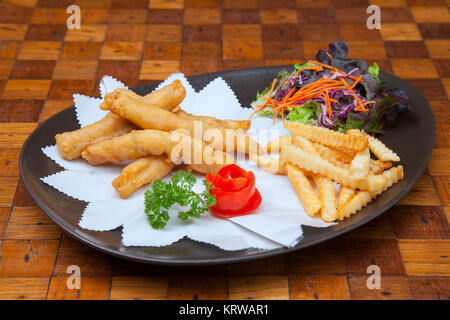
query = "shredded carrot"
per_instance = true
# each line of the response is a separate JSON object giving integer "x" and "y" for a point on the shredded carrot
{"x": 356, "y": 81}
{"x": 329, "y": 55}
{"x": 316, "y": 90}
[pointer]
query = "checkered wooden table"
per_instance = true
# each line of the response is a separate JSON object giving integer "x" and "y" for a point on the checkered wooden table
{"x": 42, "y": 64}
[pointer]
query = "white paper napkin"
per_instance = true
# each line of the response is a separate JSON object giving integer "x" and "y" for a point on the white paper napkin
{"x": 276, "y": 223}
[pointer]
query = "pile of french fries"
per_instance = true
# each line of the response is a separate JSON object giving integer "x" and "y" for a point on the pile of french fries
{"x": 319, "y": 156}
{"x": 157, "y": 135}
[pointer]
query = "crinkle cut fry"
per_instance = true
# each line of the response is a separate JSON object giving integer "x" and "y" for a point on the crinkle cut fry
{"x": 140, "y": 172}
{"x": 318, "y": 165}
{"x": 71, "y": 144}
{"x": 305, "y": 192}
{"x": 327, "y": 137}
{"x": 324, "y": 185}
{"x": 360, "y": 165}
{"x": 345, "y": 195}
{"x": 363, "y": 198}
{"x": 269, "y": 164}
{"x": 276, "y": 144}
{"x": 150, "y": 117}
{"x": 380, "y": 150}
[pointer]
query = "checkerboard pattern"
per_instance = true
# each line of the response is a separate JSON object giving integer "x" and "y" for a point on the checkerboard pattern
{"x": 42, "y": 64}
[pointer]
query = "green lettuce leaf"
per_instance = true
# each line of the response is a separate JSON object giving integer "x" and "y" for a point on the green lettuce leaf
{"x": 310, "y": 110}
{"x": 259, "y": 98}
{"x": 266, "y": 113}
{"x": 374, "y": 70}
{"x": 305, "y": 65}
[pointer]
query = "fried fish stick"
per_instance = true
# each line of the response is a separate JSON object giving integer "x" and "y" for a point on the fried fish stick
{"x": 305, "y": 192}
{"x": 150, "y": 117}
{"x": 133, "y": 145}
{"x": 327, "y": 137}
{"x": 167, "y": 97}
{"x": 143, "y": 143}
{"x": 314, "y": 163}
{"x": 363, "y": 198}
{"x": 195, "y": 153}
{"x": 71, "y": 144}
{"x": 140, "y": 172}
{"x": 229, "y": 124}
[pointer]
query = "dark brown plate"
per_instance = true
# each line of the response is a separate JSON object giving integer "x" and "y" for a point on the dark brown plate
{"x": 412, "y": 138}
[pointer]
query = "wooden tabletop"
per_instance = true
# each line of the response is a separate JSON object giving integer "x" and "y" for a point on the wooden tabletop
{"x": 43, "y": 63}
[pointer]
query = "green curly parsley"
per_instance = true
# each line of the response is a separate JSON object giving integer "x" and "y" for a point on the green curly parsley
{"x": 162, "y": 195}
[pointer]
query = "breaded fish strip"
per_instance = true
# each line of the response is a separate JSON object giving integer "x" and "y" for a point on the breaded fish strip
{"x": 167, "y": 98}
{"x": 229, "y": 124}
{"x": 327, "y": 137}
{"x": 143, "y": 143}
{"x": 140, "y": 172}
{"x": 133, "y": 145}
{"x": 71, "y": 144}
{"x": 150, "y": 117}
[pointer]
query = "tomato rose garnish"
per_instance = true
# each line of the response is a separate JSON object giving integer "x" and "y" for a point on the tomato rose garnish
{"x": 235, "y": 192}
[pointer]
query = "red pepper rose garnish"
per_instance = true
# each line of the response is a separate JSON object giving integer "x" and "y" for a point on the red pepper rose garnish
{"x": 235, "y": 192}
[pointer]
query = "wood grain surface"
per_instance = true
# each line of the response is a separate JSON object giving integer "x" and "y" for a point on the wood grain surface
{"x": 42, "y": 64}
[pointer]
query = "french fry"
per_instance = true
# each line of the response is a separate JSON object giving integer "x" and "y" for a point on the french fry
{"x": 327, "y": 137}
{"x": 320, "y": 166}
{"x": 362, "y": 198}
{"x": 324, "y": 185}
{"x": 140, "y": 172}
{"x": 378, "y": 166}
{"x": 345, "y": 194}
{"x": 380, "y": 150}
{"x": 269, "y": 164}
{"x": 338, "y": 157}
{"x": 305, "y": 144}
{"x": 305, "y": 192}
{"x": 327, "y": 194}
{"x": 359, "y": 167}
{"x": 276, "y": 144}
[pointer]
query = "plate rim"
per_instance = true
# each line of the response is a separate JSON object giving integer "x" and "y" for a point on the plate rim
{"x": 214, "y": 261}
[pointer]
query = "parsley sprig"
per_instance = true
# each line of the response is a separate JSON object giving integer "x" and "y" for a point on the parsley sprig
{"x": 162, "y": 195}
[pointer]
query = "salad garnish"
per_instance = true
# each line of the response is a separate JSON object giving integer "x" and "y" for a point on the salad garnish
{"x": 235, "y": 192}
{"x": 163, "y": 195}
{"x": 333, "y": 92}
